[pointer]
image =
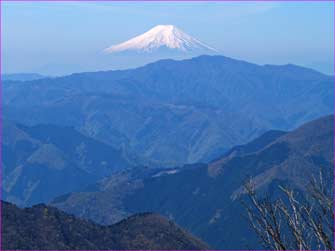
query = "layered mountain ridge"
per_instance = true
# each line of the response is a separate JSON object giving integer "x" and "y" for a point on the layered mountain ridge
{"x": 205, "y": 198}
{"x": 174, "y": 112}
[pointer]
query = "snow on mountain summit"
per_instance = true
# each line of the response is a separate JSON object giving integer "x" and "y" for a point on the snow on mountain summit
{"x": 168, "y": 36}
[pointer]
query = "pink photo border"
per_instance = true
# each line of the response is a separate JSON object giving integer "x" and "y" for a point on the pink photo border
{"x": 145, "y": 1}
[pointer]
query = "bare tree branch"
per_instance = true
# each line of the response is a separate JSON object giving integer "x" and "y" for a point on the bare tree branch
{"x": 300, "y": 222}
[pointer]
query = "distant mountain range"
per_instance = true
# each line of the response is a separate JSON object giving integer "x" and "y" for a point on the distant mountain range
{"x": 170, "y": 113}
{"x": 44, "y": 161}
{"x": 42, "y": 228}
{"x": 22, "y": 76}
{"x": 205, "y": 198}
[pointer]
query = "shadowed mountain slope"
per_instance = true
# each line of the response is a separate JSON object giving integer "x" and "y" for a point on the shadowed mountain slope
{"x": 43, "y": 228}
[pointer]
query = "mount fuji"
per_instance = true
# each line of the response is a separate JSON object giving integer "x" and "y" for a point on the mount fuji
{"x": 163, "y": 38}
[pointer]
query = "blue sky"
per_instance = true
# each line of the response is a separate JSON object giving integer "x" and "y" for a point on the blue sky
{"x": 59, "y": 38}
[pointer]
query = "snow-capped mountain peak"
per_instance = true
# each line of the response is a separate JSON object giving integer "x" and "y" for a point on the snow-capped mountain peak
{"x": 168, "y": 36}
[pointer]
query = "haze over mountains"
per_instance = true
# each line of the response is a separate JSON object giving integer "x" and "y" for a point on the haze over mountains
{"x": 22, "y": 76}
